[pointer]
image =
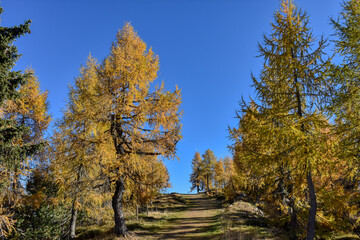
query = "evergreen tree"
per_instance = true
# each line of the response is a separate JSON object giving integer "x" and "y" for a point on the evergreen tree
{"x": 13, "y": 150}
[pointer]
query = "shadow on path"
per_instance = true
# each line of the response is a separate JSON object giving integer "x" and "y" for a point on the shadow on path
{"x": 199, "y": 221}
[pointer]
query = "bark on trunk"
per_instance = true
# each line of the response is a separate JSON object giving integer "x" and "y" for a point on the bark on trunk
{"x": 312, "y": 195}
{"x": 74, "y": 212}
{"x": 120, "y": 227}
{"x": 137, "y": 213}
{"x": 293, "y": 220}
{"x": 207, "y": 183}
{"x": 312, "y": 210}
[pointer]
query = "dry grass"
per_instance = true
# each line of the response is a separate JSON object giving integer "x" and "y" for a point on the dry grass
{"x": 167, "y": 209}
{"x": 243, "y": 220}
{"x": 190, "y": 217}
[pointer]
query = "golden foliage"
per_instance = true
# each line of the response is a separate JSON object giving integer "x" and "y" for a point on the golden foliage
{"x": 115, "y": 127}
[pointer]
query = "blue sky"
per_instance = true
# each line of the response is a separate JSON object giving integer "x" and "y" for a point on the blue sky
{"x": 206, "y": 47}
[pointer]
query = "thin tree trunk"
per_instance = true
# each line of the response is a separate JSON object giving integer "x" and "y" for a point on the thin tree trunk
{"x": 120, "y": 227}
{"x": 312, "y": 195}
{"x": 293, "y": 220}
{"x": 312, "y": 210}
{"x": 137, "y": 213}
{"x": 207, "y": 183}
{"x": 74, "y": 212}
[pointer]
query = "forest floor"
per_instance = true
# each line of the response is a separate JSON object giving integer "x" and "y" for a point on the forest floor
{"x": 199, "y": 220}
{"x": 190, "y": 216}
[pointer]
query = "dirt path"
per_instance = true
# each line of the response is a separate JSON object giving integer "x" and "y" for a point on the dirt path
{"x": 196, "y": 222}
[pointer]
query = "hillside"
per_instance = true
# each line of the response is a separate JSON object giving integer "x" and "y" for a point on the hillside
{"x": 191, "y": 216}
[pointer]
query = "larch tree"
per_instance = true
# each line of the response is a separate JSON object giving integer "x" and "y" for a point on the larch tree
{"x": 346, "y": 101}
{"x": 346, "y": 96}
{"x": 148, "y": 184}
{"x": 290, "y": 89}
{"x": 209, "y": 160}
{"x": 129, "y": 123}
{"x": 249, "y": 148}
{"x": 230, "y": 188}
{"x": 76, "y": 148}
{"x": 30, "y": 109}
{"x": 219, "y": 175}
{"x": 197, "y": 175}
{"x": 140, "y": 121}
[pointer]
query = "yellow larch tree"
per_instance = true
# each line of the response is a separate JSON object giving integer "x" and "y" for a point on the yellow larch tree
{"x": 123, "y": 124}
{"x": 197, "y": 177}
{"x": 280, "y": 140}
{"x": 219, "y": 175}
{"x": 140, "y": 122}
{"x": 78, "y": 149}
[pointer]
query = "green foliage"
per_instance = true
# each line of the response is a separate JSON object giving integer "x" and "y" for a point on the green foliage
{"x": 45, "y": 222}
{"x": 10, "y": 80}
{"x": 40, "y": 216}
{"x": 16, "y": 145}
{"x": 12, "y": 155}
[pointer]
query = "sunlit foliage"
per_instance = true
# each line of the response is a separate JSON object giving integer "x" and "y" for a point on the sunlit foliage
{"x": 115, "y": 128}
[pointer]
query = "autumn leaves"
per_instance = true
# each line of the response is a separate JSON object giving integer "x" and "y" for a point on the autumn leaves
{"x": 115, "y": 129}
{"x": 294, "y": 148}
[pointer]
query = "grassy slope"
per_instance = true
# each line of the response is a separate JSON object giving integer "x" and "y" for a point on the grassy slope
{"x": 176, "y": 216}
{"x": 168, "y": 208}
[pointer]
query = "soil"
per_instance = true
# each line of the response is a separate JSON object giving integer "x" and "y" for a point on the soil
{"x": 201, "y": 215}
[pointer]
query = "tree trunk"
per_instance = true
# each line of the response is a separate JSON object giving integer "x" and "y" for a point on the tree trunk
{"x": 312, "y": 210}
{"x": 137, "y": 213}
{"x": 293, "y": 220}
{"x": 73, "y": 218}
{"x": 207, "y": 183}
{"x": 312, "y": 195}
{"x": 120, "y": 227}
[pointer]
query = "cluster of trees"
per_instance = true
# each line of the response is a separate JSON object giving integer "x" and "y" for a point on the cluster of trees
{"x": 211, "y": 174}
{"x": 106, "y": 152}
{"x": 23, "y": 121}
{"x": 296, "y": 147}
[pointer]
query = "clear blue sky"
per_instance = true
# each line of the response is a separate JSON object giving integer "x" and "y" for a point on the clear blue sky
{"x": 206, "y": 47}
